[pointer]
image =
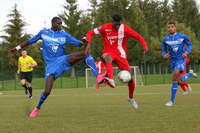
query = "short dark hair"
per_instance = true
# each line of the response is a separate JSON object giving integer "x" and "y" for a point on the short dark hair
{"x": 117, "y": 17}
{"x": 172, "y": 23}
{"x": 54, "y": 19}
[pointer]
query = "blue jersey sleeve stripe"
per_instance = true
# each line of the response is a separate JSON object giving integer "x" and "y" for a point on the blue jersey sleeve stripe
{"x": 35, "y": 38}
{"x": 72, "y": 40}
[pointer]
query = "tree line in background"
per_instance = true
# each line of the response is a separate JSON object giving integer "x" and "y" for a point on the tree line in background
{"x": 147, "y": 17}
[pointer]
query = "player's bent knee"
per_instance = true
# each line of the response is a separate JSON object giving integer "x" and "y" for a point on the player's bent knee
{"x": 75, "y": 57}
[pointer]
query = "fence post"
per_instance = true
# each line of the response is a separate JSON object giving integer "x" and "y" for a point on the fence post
{"x": 2, "y": 66}
{"x": 145, "y": 70}
{"x": 15, "y": 81}
{"x": 163, "y": 73}
{"x": 76, "y": 75}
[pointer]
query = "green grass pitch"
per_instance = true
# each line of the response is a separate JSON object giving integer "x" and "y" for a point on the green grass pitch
{"x": 105, "y": 111}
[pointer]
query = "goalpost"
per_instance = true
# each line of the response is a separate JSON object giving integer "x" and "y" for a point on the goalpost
{"x": 92, "y": 83}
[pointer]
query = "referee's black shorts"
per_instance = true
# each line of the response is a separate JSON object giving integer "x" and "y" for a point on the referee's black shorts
{"x": 27, "y": 76}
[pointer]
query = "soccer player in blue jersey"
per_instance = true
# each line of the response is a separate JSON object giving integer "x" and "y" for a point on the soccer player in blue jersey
{"x": 56, "y": 62}
{"x": 175, "y": 43}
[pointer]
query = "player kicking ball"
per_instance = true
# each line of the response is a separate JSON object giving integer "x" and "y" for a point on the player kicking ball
{"x": 115, "y": 36}
{"x": 53, "y": 43}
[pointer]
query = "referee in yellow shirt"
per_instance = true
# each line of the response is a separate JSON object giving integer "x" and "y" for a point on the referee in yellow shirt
{"x": 25, "y": 68}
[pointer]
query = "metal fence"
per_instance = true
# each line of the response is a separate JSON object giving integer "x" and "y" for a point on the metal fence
{"x": 151, "y": 75}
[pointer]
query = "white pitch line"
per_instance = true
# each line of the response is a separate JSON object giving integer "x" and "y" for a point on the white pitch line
{"x": 100, "y": 94}
{"x": 107, "y": 106}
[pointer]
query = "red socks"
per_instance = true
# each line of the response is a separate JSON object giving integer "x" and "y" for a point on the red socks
{"x": 183, "y": 87}
{"x": 131, "y": 86}
{"x": 109, "y": 70}
{"x": 185, "y": 83}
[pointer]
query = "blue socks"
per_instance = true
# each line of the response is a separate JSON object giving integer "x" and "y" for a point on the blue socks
{"x": 186, "y": 76}
{"x": 174, "y": 90}
{"x": 42, "y": 99}
{"x": 90, "y": 62}
{"x": 175, "y": 86}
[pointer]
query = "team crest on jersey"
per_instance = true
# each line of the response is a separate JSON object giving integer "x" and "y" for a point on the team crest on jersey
{"x": 175, "y": 48}
{"x": 54, "y": 47}
{"x": 99, "y": 28}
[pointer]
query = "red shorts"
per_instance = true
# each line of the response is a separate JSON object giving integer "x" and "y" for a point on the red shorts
{"x": 122, "y": 63}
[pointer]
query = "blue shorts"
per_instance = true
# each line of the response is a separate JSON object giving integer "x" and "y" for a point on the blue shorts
{"x": 178, "y": 64}
{"x": 57, "y": 66}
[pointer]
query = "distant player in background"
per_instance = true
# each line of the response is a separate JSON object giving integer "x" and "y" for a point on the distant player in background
{"x": 100, "y": 68}
{"x": 183, "y": 84}
{"x": 25, "y": 68}
{"x": 100, "y": 65}
{"x": 115, "y": 36}
{"x": 175, "y": 43}
{"x": 53, "y": 45}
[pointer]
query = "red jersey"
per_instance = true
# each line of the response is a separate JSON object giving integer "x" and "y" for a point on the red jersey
{"x": 115, "y": 40}
{"x": 100, "y": 66}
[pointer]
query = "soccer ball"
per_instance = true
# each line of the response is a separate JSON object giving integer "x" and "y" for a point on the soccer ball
{"x": 124, "y": 76}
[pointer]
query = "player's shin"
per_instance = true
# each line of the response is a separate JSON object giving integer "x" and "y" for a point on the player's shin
{"x": 41, "y": 101}
{"x": 185, "y": 84}
{"x": 131, "y": 86}
{"x": 90, "y": 62}
{"x": 26, "y": 89}
{"x": 109, "y": 70}
{"x": 174, "y": 90}
{"x": 183, "y": 88}
{"x": 30, "y": 92}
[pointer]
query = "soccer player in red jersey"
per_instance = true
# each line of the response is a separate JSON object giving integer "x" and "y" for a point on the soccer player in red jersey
{"x": 99, "y": 65}
{"x": 182, "y": 85}
{"x": 115, "y": 36}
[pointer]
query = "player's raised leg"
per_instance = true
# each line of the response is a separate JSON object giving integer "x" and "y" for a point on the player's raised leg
{"x": 109, "y": 69}
{"x": 55, "y": 70}
{"x": 91, "y": 63}
{"x": 188, "y": 75}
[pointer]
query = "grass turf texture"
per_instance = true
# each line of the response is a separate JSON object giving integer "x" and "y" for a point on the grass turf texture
{"x": 105, "y": 111}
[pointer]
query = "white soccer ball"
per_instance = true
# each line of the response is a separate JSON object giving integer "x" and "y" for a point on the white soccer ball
{"x": 124, "y": 76}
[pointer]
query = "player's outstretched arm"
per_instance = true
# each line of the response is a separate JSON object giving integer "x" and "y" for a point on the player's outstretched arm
{"x": 18, "y": 47}
{"x": 85, "y": 42}
{"x": 87, "y": 49}
{"x": 138, "y": 37}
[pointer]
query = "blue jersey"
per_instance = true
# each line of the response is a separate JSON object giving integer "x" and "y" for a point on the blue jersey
{"x": 53, "y": 43}
{"x": 176, "y": 45}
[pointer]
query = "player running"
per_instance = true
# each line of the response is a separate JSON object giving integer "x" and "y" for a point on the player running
{"x": 183, "y": 84}
{"x": 115, "y": 36}
{"x": 175, "y": 43}
{"x": 25, "y": 67}
{"x": 56, "y": 62}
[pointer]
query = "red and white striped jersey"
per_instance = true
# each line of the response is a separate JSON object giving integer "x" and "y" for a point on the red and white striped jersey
{"x": 115, "y": 40}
